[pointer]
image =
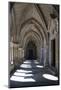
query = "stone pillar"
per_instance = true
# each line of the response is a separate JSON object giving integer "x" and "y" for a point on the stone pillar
{"x": 11, "y": 53}
{"x": 50, "y": 53}
{"x": 42, "y": 56}
{"x": 45, "y": 54}
{"x": 57, "y": 51}
{"x": 46, "y": 63}
{"x": 15, "y": 53}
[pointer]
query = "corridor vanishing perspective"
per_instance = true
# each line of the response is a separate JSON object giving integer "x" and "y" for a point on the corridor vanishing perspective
{"x": 33, "y": 44}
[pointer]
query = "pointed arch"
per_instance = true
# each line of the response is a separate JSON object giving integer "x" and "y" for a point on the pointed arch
{"x": 37, "y": 24}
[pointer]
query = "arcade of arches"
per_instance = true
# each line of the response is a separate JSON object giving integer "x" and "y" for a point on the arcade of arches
{"x": 34, "y": 35}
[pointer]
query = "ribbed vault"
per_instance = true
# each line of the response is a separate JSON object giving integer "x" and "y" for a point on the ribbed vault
{"x": 32, "y": 25}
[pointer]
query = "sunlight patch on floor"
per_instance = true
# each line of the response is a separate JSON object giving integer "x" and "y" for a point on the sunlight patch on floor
{"x": 23, "y": 71}
{"x": 21, "y": 79}
{"x": 26, "y": 66}
{"x": 50, "y": 77}
{"x": 22, "y": 74}
{"x": 27, "y": 62}
{"x": 36, "y": 62}
{"x": 39, "y": 66}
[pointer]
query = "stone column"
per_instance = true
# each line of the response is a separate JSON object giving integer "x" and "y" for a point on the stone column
{"x": 45, "y": 56}
{"x": 49, "y": 52}
{"x": 45, "y": 53}
{"x": 42, "y": 56}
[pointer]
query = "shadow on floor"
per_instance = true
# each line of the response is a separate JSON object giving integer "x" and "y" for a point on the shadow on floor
{"x": 36, "y": 71}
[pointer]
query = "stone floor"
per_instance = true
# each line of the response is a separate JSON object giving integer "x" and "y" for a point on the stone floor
{"x": 31, "y": 73}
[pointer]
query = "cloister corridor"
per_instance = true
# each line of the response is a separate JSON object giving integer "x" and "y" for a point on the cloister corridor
{"x": 33, "y": 44}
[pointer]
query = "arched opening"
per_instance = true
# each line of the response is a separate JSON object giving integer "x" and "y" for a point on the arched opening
{"x": 31, "y": 51}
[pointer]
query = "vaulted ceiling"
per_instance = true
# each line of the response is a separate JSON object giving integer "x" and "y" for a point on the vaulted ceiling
{"x": 25, "y": 17}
